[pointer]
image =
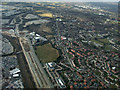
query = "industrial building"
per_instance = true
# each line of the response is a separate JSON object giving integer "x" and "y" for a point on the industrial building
{"x": 36, "y": 38}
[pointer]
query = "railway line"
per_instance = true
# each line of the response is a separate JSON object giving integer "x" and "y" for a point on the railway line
{"x": 40, "y": 75}
{"x": 40, "y": 78}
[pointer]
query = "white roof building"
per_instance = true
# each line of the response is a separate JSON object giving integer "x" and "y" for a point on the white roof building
{"x": 37, "y": 35}
{"x": 32, "y": 33}
{"x": 16, "y": 75}
{"x": 113, "y": 68}
{"x": 14, "y": 71}
{"x": 37, "y": 38}
{"x": 60, "y": 82}
{"x": 62, "y": 37}
{"x": 50, "y": 64}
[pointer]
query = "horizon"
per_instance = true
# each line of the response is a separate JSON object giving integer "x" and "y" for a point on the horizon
{"x": 60, "y": 0}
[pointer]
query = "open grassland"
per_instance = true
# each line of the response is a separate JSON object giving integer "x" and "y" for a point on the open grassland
{"x": 45, "y": 28}
{"x": 46, "y": 15}
{"x": 96, "y": 41}
{"x": 40, "y": 11}
{"x": 50, "y": 7}
{"x": 49, "y": 36}
{"x": 104, "y": 40}
{"x": 46, "y": 53}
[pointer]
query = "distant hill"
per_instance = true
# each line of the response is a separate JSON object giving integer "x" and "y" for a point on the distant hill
{"x": 110, "y": 6}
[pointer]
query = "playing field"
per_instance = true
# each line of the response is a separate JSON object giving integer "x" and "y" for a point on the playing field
{"x": 47, "y": 53}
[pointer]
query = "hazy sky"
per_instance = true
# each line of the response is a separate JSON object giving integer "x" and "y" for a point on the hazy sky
{"x": 61, "y": 0}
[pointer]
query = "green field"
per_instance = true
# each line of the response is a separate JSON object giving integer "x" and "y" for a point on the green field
{"x": 104, "y": 41}
{"x": 46, "y": 53}
{"x": 98, "y": 42}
